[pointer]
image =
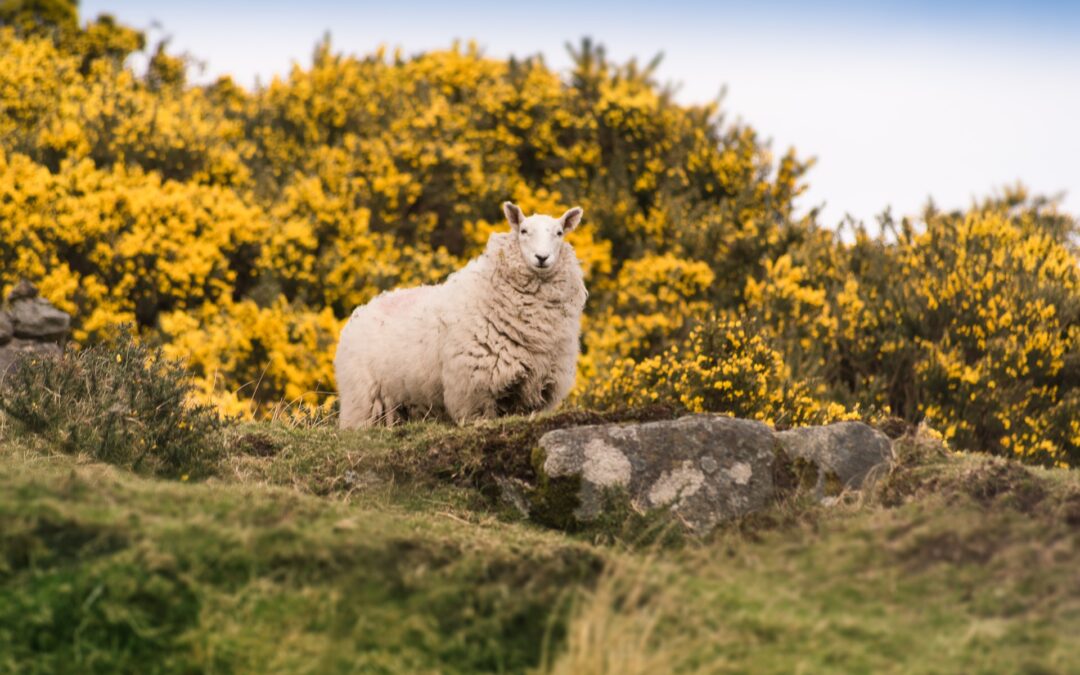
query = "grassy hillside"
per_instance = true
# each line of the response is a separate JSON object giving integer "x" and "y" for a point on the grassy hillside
{"x": 314, "y": 550}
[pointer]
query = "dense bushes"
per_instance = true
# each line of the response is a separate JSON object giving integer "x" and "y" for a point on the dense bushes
{"x": 120, "y": 402}
{"x": 721, "y": 365}
{"x": 241, "y": 227}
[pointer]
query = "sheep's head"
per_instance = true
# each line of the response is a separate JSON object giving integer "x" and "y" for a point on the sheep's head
{"x": 540, "y": 238}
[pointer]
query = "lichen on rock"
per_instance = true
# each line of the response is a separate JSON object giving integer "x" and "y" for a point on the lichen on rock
{"x": 705, "y": 469}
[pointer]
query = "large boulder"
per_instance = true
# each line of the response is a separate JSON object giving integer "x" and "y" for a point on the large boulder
{"x": 705, "y": 469}
{"x": 844, "y": 454}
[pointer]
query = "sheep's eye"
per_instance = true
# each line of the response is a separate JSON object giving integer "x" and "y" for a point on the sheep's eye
{"x": 559, "y": 233}
{"x": 524, "y": 231}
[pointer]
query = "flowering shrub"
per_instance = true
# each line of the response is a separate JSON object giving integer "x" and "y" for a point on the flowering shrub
{"x": 988, "y": 317}
{"x": 245, "y": 350}
{"x": 240, "y": 228}
{"x": 121, "y": 245}
{"x": 721, "y": 366}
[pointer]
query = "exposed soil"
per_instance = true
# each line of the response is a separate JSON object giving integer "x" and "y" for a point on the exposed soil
{"x": 257, "y": 444}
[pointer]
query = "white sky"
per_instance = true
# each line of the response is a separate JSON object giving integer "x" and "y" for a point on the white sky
{"x": 952, "y": 103}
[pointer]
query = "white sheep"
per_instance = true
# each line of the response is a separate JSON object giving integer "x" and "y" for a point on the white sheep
{"x": 499, "y": 336}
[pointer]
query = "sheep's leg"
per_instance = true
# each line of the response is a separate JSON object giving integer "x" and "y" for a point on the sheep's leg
{"x": 357, "y": 407}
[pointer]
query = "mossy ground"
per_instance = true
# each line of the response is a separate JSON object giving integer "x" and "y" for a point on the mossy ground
{"x": 314, "y": 550}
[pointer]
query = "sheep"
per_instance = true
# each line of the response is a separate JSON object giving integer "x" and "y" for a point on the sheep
{"x": 499, "y": 336}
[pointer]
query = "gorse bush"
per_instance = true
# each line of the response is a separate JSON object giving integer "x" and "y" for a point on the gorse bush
{"x": 120, "y": 402}
{"x": 978, "y": 318}
{"x": 723, "y": 366}
{"x": 239, "y": 228}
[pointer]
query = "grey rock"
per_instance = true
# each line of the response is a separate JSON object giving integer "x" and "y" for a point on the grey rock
{"x": 36, "y": 318}
{"x": 6, "y": 329}
{"x": 360, "y": 481}
{"x": 845, "y": 454}
{"x": 24, "y": 290}
{"x": 705, "y": 468}
{"x": 19, "y": 348}
{"x": 514, "y": 493}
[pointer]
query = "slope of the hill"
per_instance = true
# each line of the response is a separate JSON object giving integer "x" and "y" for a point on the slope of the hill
{"x": 321, "y": 551}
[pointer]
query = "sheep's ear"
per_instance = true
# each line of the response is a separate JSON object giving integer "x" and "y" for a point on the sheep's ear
{"x": 571, "y": 218}
{"x": 514, "y": 216}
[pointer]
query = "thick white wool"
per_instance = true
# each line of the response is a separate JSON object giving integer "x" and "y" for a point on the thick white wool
{"x": 496, "y": 337}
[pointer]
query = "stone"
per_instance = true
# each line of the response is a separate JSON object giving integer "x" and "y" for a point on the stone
{"x": 36, "y": 318}
{"x": 19, "y": 348}
{"x": 514, "y": 493}
{"x": 31, "y": 328}
{"x": 24, "y": 290}
{"x": 845, "y": 454}
{"x": 705, "y": 468}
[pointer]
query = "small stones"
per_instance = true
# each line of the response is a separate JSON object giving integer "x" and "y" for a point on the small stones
{"x": 30, "y": 327}
{"x": 19, "y": 349}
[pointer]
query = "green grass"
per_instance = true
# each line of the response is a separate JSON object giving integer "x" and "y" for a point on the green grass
{"x": 314, "y": 550}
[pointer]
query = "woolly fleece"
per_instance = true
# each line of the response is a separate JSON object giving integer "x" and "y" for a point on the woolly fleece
{"x": 497, "y": 337}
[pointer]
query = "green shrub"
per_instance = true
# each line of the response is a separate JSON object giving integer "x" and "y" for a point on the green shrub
{"x": 121, "y": 402}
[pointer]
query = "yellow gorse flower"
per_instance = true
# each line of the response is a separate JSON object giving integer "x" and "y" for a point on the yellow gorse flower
{"x": 240, "y": 228}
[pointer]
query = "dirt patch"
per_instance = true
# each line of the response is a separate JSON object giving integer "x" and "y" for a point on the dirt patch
{"x": 1070, "y": 511}
{"x": 997, "y": 482}
{"x": 257, "y": 444}
{"x": 948, "y": 547}
{"x": 895, "y": 427}
{"x": 1000, "y": 480}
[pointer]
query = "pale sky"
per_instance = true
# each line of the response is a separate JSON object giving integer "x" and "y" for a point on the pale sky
{"x": 897, "y": 101}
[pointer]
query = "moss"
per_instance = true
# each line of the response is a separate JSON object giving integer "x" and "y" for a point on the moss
{"x": 555, "y": 502}
{"x": 620, "y": 521}
{"x": 792, "y": 475}
{"x": 832, "y": 485}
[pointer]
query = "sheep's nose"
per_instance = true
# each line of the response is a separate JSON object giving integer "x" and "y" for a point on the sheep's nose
{"x": 541, "y": 259}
